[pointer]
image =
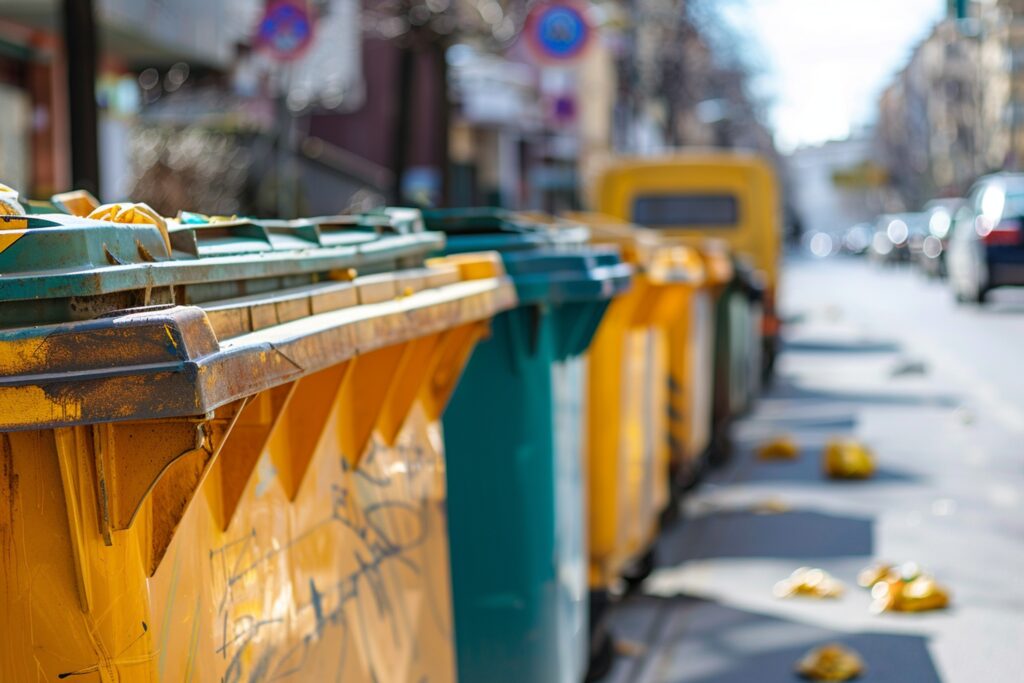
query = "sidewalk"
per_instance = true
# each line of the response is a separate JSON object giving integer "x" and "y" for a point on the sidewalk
{"x": 945, "y": 495}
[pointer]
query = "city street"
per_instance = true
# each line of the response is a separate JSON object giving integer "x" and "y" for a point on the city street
{"x": 483, "y": 341}
{"x": 886, "y": 356}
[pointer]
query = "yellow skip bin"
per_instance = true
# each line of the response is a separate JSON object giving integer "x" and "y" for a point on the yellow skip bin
{"x": 650, "y": 395}
{"x": 228, "y": 485}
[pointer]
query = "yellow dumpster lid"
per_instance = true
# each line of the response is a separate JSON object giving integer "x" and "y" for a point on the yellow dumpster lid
{"x": 174, "y": 359}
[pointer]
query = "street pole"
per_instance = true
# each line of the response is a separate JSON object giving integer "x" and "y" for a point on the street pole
{"x": 80, "y": 59}
{"x": 287, "y": 172}
{"x": 401, "y": 134}
{"x": 441, "y": 135}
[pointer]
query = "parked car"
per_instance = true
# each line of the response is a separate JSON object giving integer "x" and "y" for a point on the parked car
{"x": 985, "y": 249}
{"x": 939, "y": 215}
{"x": 894, "y": 233}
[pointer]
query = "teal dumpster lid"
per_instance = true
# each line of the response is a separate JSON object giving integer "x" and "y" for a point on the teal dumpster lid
{"x": 474, "y": 220}
{"x": 545, "y": 275}
{"x": 36, "y": 206}
{"x": 484, "y": 229}
{"x": 56, "y": 267}
{"x": 546, "y": 260}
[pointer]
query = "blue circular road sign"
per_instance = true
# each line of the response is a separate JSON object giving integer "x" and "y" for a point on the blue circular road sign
{"x": 286, "y": 29}
{"x": 557, "y": 31}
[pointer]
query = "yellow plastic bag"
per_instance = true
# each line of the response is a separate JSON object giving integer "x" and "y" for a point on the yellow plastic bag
{"x": 848, "y": 459}
{"x": 9, "y": 204}
{"x": 810, "y": 582}
{"x": 137, "y": 214}
{"x": 832, "y": 662}
{"x": 906, "y": 589}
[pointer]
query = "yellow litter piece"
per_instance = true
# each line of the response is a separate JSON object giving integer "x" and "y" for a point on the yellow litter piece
{"x": 848, "y": 459}
{"x": 810, "y": 582}
{"x": 908, "y": 589}
{"x": 873, "y": 573}
{"x": 832, "y": 662}
{"x": 780, "y": 448}
{"x": 9, "y": 204}
{"x": 136, "y": 214}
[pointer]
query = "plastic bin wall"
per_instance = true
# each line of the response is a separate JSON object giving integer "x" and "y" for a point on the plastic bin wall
{"x": 628, "y": 425}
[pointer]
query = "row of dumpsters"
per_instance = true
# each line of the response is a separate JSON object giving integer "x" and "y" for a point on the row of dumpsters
{"x": 404, "y": 445}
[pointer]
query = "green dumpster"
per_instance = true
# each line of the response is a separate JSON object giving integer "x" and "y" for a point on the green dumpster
{"x": 738, "y": 350}
{"x": 513, "y": 439}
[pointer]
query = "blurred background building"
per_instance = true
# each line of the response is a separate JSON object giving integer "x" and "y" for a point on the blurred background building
{"x": 205, "y": 104}
{"x": 956, "y": 111}
{"x": 449, "y": 102}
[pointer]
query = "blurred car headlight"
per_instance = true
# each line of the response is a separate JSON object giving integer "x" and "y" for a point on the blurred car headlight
{"x": 897, "y": 231}
{"x": 821, "y": 244}
{"x": 939, "y": 223}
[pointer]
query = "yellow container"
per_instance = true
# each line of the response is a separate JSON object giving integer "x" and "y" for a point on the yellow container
{"x": 245, "y": 489}
{"x": 726, "y": 195}
{"x": 634, "y": 404}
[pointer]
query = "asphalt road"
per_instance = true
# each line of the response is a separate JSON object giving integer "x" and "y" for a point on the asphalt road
{"x": 937, "y": 390}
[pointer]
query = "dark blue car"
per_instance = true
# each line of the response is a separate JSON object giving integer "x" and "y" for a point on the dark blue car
{"x": 986, "y": 249}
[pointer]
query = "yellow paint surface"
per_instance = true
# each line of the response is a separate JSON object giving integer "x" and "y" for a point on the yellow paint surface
{"x": 628, "y": 425}
{"x": 348, "y": 582}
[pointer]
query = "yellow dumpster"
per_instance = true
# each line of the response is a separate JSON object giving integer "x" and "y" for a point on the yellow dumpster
{"x": 630, "y": 399}
{"x": 224, "y": 462}
{"x": 691, "y": 340}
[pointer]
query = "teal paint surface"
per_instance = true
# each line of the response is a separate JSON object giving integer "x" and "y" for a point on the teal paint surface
{"x": 56, "y": 267}
{"x": 513, "y": 445}
{"x": 736, "y": 356}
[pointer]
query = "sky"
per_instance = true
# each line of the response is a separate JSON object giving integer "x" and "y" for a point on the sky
{"x": 824, "y": 62}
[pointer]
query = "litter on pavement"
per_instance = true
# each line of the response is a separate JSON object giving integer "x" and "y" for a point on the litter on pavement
{"x": 832, "y": 662}
{"x": 906, "y": 588}
{"x": 848, "y": 459}
{"x": 810, "y": 582}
